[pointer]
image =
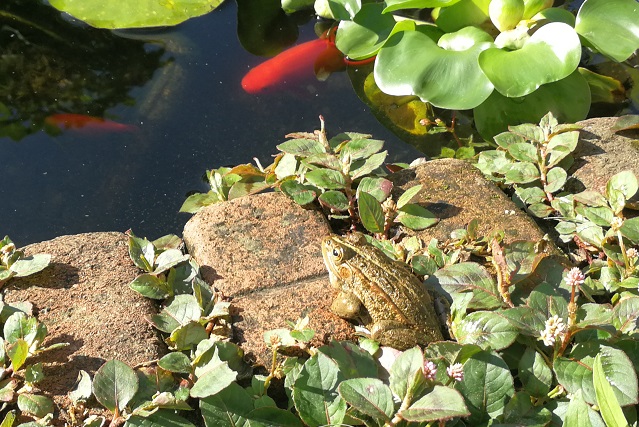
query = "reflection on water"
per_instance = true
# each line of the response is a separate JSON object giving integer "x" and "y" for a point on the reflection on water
{"x": 179, "y": 87}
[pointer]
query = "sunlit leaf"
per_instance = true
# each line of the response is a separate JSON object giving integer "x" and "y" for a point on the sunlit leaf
{"x": 143, "y": 13}
{"x": 114, "y": 385}
{"x": 35, "y": 405}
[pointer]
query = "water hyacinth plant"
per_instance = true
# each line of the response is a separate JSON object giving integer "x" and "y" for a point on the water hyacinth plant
{"x": 510, "y": 61}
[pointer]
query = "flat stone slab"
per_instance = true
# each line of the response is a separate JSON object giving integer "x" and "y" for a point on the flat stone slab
{"x": 456, "y": 192}
{"x": 601, "y": 153}
{"x": 84, "y": 299}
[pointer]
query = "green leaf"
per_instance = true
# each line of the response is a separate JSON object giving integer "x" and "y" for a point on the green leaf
{"x": 556, "y": 178}
{"x": 411, "y": 63}
{"x": 302, "y": 147}
{"x": 213, "y": 377}
{"x": 408, "y": 195}
{"x": 522, "y": 173}
{"x": 161, "y": 418}
{"x": 114, "y": 385}
{"x": 370, "y": 213}
{"x": 334, "y": 200}
{"x": 606, "y": 400}
{"x": 83, "y": 390}
{"x": 534, "y": 373}
{"x": 184, "y": 309}
{"x": 630, "y": 229}
{"x": 168, "y": 259}
{"x": 378, "y": 187}
{"x": 568, "y": 99}
{"x": 35, "y": 405}
{"x": 369, "y": 396}
{"x": 560, "y": 146}
{"x": 442, "y": 403}
{"x": 300, "y": 193}
{"x": 176, "y": 362}
{"x": 142, "y": 253}
{"x": 315, "y": 392}
{"x": 8, "y": 419}
{"x": 327, "y": 178}
{"x": 468, "y": 277}
{"x": 611, "y": 26}
{"x": 352, "y": 360}
{"x": 144, "y": 13}
{"x": 625, "y": 182}
{"x": 552, "y": 53}
{"x": 580, "y": 414}
{"x": 18, "y": 352}
{"x": 392, "y": 5}
{"x": 523, "y": 151}
{"x": 344, "y": 9}
{"x": 363, "y": 36}
{"x": 486, "y": 387}
{"x": 372, "y": 163}
{"x": 29, "y": 265}
{"x": 151, "y": 286}
{"x": 406, "y": 372}
{"x": 187, "y": 336}
{"x": 197, "y": 201}
{"x": 629, "y": 121}
{"x": 486, "y": 329}
{"x": 20, "y": 326}
{"x": 416, "y": 217}
{"x": 360, "y": 149}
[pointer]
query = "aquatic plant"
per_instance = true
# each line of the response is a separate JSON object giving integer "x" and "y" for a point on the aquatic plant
{"x": 510, "y": 61}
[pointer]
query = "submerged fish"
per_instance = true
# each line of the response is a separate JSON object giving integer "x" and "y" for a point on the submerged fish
{"x": 82, "y": 122}
{"x": 318, "y": 57}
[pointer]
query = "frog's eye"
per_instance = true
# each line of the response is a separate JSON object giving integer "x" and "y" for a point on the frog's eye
{"x": 337, "y": 253}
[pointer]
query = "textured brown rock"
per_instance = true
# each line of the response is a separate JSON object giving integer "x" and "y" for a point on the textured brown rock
{"x": 264, "y": 252}
{"x": 601, "y": 153}
{"x": 83, "y": 298}
{"x": 456, "y": 192}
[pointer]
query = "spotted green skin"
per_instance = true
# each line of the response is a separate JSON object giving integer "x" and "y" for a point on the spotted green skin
{"x": 400, "y": 309}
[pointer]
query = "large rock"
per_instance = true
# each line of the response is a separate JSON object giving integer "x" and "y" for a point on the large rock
{"x": 84, "y": 299}
{"x": 601, "y": 153}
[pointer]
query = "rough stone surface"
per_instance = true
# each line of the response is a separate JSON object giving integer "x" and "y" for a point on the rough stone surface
{"x": 264, "y": 253}
{"x": 83, "y": 298}
{"x": 601, "y": 153}
{"x": 456, "y": 192}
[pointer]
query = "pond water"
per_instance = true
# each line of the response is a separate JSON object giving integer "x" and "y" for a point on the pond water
{"x": 191, "y": 115}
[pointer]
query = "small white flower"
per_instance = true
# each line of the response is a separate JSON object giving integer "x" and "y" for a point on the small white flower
{"x": 456, "y": 372}
{"x": 555, "y": 328}
{"x": 632, "y": 253}
{"x": 616, "y": 223}
{"x": 575, "y": 277}
{"x": 430, "y": 370}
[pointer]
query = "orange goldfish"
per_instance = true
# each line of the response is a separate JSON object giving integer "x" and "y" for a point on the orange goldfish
{"x": 82, "y": 122}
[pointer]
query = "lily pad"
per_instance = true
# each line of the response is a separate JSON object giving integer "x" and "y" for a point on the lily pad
{"x": 411, "y": 63}
{"x": 611, "y": 26}
{"x": 551, "y": 54}
{"x": 135, "y": 14}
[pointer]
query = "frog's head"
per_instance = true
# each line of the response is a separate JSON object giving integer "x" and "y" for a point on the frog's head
{"x": 336, "y": 251}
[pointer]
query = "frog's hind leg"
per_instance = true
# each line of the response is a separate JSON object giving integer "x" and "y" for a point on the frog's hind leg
{"x": 397, "y": 335}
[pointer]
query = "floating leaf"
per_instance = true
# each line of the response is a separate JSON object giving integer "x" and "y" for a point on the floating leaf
{"x": 114, "y": 385}
{"x": 552, "y": 53}
{"x": 363, "y": 36}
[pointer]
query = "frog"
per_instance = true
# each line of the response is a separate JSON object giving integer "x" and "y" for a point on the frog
{"x": 381, "y": 292}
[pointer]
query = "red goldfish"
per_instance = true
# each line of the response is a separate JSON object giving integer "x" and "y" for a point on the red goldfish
{"x": 319, "y": 56}
{"x": 81, "y": 122}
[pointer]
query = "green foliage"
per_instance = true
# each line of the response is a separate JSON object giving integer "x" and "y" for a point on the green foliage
{"x": 144, "y": 13}
{"x": 13, "y": 263}
{"x": 498, "y": 57}
{"x": 343, "y": 174}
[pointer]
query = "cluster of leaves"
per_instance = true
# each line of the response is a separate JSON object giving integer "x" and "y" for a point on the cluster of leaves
{"x": 512, "y": 60}
{"x": 533, "y": 161}
{"x": 22, "y": 339}
{"x": 13, "y": 263}
{"x": 342, "y": 173}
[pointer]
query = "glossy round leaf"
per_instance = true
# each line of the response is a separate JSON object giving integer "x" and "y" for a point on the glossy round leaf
{"x": 366, "y": 33}
{"x": 392, "y": 5}
{"x": 611, "y": 26}
{"x": 551, "y": 54}
{"x": 135, "y": 14}
{"x": 466, "y": 13}
{"x": 568, "y": 99}
{"x": 411, "y": 63}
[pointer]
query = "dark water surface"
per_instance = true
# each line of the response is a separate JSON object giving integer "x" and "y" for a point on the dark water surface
{"x": 192, "y": 115}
